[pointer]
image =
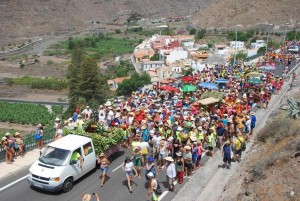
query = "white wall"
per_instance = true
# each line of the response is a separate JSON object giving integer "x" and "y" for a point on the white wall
{"x": 176, "y": 55}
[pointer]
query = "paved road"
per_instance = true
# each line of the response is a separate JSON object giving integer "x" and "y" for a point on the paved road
{"x": 114, "y": 190}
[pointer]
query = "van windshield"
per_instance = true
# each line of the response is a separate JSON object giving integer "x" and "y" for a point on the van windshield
{"x": 55, "y": 156}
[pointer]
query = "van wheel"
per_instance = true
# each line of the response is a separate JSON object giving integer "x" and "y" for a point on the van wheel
{"x": 68, "y": 185}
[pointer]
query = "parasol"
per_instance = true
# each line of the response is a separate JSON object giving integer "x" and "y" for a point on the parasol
{"x": 208, "y": 85}
{"x": 221, "y": 80}
{"x": 169, "y": 88}
{"x": 189, "y": 88}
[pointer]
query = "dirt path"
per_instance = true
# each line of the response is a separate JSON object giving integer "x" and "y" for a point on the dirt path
{"x": 11, "y": 127}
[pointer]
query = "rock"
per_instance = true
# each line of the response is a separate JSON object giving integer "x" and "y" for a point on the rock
{"x": 292, "y": 193}
{"x": 297, "y": 154}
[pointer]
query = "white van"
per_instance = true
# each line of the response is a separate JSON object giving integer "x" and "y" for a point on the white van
{"x": 63, "y": 162}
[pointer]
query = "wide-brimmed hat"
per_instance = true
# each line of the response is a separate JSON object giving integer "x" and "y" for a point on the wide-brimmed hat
{"x": 251, "y": 113}
{"x": 144, "y": 126}
{"x": 187, "y": 147}
{"x": 193, "y": 138}
{"x": 108, "y": 103}
{"x": 179, "y": 128}
{"x": 179, "y": 154}
{"x": 17, "y": 134}
{"x": 4, "y": 138}
{"x": 7, "y": 134}
{"x": 117, "y": 115}
{"x": 57, "y": 119}
{"x": 86, "y": 197}
{"x": 169, "y": 158}
{"x": 150, "y": 175}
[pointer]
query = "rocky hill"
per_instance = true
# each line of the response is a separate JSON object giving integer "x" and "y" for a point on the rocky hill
{"x": 39, "y": 17}
{"x": 229, "y": 13}
{"x": 33, "y": 18}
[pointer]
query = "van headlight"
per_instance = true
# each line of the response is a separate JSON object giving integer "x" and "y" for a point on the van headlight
{"x": 55, "y": 179}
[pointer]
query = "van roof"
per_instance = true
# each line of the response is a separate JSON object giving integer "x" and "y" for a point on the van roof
{"x": 70, "y": 142}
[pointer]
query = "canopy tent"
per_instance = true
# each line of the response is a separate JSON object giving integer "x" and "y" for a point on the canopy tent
{"x": 208, "y": 85}
{"x": 255, "y": 74}
{"x": 221, "y": 80}
{"x": 169, "y": 88}
{"x": 208, "y": 101}
{"x": 255, "y": 81}
{"x": 268, "y": 67}
{"x": 189, "y": 88}
{"x": 187, "y": 79}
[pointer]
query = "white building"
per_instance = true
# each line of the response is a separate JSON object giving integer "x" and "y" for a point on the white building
{"x": 147, "y": 64}
{"x": 237, "y": 44}
{"x": 258, "y": 44}
{"x": 221, "y": 49}
{"x": 174, "y": 55}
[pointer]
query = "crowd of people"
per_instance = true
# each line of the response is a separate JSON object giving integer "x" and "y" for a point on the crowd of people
{"x": 13, "y": 146}
{"x": 171, "y": 130}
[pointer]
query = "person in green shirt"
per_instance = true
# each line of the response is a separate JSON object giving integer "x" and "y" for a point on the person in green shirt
{"x": 76, "y": 156}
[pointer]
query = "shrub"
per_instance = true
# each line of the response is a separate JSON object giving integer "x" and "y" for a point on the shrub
{"x": 50, "y": 62}
{"x": 40, "y": 83}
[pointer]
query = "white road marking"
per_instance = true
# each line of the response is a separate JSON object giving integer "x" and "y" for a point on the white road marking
{"x": 13, "y": 183}
{"x": 165, "y": 192}
{"x": 117, "y": 168}
{"x": 163, "y": 195}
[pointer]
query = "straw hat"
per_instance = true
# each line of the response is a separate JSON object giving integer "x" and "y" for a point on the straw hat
{"x": 40, "y": 125}
{"x": 4, "y": 138}
{"x": 86, "y": 197}
{"x": 117, "y": 115}
{"x": 169, "y": 158}
{"x": 179, "y": 154}
{"x": 108, "y": 103}
{"x": 150, "y": 175}
{"x": 70, "y": 119}
{"x": 193, "y": 138}
{"x": 57, "y": 119}
{"x": 17, "y": 134}
{"x": 251, "y": 113}
{"x": 187, "y": 147}
{"x": 7, "y": 134}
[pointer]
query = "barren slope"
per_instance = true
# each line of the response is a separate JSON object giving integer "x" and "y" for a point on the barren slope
{"x": 226, "y": 13}
{"x": 38, "y": 17}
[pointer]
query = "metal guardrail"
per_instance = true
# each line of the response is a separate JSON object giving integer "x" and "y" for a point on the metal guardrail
{"x": 30, "y": 143}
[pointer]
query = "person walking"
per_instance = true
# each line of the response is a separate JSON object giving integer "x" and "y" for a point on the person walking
{"x": 103, "y": 162}
{"x": 239, "y": 140}
{"x": 136, "y": 158}
{"x": 179, "y": 163}
{"x": 8, "y": 152}
{"x": 150, "y": 167}
{"x": 152, "y": 187}
{"x": 188, "y": 161}
{"x": 226, "y": 152}
{"x": 253, "y": 122}
{"x": 171, "y": 172}
{"x": 128, "y": 167}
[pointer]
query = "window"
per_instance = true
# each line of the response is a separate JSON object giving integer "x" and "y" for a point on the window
{"x": 87, "y": 148}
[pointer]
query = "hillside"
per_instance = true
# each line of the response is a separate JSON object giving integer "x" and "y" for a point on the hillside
{"x": 31, "y": 18}
{"x": 35, "y": 18}
{"x": 228, "y": 13}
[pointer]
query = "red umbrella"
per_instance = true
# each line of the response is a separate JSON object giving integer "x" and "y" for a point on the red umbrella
{"x": 187, "y": 79}
{"x": 169, "y": 88}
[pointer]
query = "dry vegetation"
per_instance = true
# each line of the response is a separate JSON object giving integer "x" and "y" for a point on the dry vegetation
{"x": 273, "y": 169}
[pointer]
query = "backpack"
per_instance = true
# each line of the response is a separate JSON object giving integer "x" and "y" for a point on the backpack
{"x": 158, "y": 190}
{"x": 243, "y": 145}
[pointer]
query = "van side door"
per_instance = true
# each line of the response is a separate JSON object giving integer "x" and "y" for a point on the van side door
{"x": 89, "y": 157}
{"x": 75, "y": 163}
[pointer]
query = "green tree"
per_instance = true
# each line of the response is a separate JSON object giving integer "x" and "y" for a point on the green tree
{"x": 193, "y": 31}
{"x": 240, "y": 56}
{"x": 71, "y": 43}
{"x": 155, "y": 57}
{"x": 292, "y": 35}
{"x": 136, "y": 81}
{"x": 200, "y": 34}
{"x": 89, "y": 87}
{"x": 261, "y": 50}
